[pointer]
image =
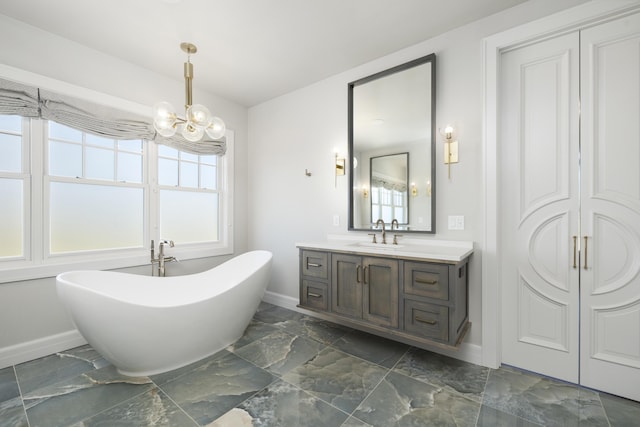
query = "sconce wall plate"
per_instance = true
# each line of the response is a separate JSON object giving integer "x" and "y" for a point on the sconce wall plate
{"x": 340, "y": 166}
{"x": 451, "y": 152}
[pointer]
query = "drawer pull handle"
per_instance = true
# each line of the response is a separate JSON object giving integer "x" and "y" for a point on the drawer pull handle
{"x": 427, "y": 321}
{"x": 311, "y": 294}
{"x": 427, "y": 282}
{"x": 311, "y": 264}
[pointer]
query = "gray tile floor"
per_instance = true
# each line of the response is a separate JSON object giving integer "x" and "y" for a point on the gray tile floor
{"x": 292, "y": 370}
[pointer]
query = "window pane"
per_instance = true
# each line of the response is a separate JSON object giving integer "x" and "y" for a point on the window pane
{"x": 167, "y": 172}
{"x": 188, "y": 217}
{"x": 65, "y": 159}
{"x": 59, "y": 131}
{"x": 11, "y": 217}
{"x": 208, "y": 177}
{"x": 133, "y": 145}
{"x": 209, "y": 160}
{"x": 99, "y": 141}
{"x": 387, "y": 214}
{"x": 165, "y": 151}
{"x": 188, "y": 156}
{"x": 90, "y": 217}
{"x": 188, "y": 175}
{"x": 129, "y": 167}
{"x": 10, "y": 153}
{"x": 11, "y": 123}
{"x": 100, "y": 163}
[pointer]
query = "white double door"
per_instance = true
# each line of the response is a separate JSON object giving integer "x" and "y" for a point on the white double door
{"x": 570, "y": 207}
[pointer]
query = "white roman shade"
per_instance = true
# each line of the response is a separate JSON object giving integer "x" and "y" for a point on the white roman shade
{"x": 27, "y": 101}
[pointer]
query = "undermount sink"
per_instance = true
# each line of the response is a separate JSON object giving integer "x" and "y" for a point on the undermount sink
{"x": 387, "y": 246}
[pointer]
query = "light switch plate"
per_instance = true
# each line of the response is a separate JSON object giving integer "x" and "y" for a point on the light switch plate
{"x": 456, "y": 222}
{"x": 336, "y": 220}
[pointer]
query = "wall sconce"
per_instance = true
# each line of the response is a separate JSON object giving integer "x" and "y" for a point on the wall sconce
{"x": 365, "y": 191}
{"x": 340, "y": 168}
{"x": 414, "y": 189}
{"x": 451, "y": 148}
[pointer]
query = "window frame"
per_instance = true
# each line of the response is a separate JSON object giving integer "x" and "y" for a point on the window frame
{"x": 37, "y": 262}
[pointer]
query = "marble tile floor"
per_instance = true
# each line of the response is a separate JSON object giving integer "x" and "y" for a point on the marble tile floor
{"x": 293, "y": 370}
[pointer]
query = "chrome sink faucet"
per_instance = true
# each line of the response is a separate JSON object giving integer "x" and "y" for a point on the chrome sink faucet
{"x": 384, "y": 232}
{"x": 395, "y": 236}
{"x": 161, "y": 260}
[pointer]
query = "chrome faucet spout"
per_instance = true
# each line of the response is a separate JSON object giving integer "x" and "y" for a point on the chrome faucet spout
{"x": 395, "y": 221}
{"x": 384, "y": 232}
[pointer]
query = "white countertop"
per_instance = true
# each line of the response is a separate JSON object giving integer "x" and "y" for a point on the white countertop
{"x": 428, "y": 250}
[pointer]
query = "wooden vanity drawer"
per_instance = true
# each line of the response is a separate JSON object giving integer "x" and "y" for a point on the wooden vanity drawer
{"x": 315, "y": 264}
{"x": 314, "y": 295}
{"x": 426, "y": 320}
{"x": 426, "y": 280}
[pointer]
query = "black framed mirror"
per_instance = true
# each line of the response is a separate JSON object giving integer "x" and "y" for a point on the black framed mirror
{"x": 392, "y": 114}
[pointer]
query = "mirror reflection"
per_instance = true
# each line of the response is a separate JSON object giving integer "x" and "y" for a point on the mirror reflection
{"x": 391, "y": 147}
{"x": 390, "y": 188}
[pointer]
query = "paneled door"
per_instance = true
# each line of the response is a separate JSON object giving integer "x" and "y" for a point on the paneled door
{"x": 540, "y": 207}
{"x": 610, "y": 202}
{"x": 570, "y": 197}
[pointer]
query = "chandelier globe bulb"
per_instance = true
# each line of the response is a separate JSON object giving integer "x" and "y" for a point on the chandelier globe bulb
{"x": 192, "y": 133}
{"x": 217, "y": 128}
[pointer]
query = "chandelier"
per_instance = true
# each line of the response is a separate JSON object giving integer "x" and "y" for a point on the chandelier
{"x": 198, "y": 119}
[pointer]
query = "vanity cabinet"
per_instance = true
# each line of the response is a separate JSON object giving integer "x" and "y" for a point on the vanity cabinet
{"x": 420, "y": 302}
{"x": 365, "y": 288}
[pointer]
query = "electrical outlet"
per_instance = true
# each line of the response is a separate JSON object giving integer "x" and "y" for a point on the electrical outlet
{"x": 336, "y": 220}
{"x": 456, "y": 222}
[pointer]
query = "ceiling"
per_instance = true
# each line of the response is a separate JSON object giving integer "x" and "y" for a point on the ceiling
{"x": 250, "y": 51}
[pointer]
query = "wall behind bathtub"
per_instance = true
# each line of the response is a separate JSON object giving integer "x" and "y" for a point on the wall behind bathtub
{"x": 300, "y": 131}
{"x": 32, "y": 322}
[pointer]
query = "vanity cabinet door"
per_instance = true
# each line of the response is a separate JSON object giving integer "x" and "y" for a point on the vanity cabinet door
{"x": 426, "y": 279}
{"x": 314, "y": 264}
{"x": 314, "y": 295}
{"x": 427, "y": 320}
{"x": 380, "y": 291}
{"x": 346, "y": 285}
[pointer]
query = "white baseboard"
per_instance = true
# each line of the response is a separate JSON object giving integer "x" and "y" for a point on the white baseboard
{"x": 41, "y": 347}
{"x": 471, "y": 353}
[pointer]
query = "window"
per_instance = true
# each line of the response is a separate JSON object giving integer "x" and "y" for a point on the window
{"x": 74, "y": 200}
{"x": 189, "y": 196}
{"x": 96, "y": 192}
{"x": 14, "y": 188}
{"x": 388, "y": 204}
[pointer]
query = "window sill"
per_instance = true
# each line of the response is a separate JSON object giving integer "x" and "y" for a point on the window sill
{"x": 25, "y": 270}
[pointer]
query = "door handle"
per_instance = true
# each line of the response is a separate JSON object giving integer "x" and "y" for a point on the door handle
{"x": 585, "y": 253}
{"x": 575, "y": 238}
{"x": 364, "y": 276}
{"x": 357, "y": 273}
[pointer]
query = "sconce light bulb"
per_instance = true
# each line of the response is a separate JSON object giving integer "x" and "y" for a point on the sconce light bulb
{"x": 448, "y": 130}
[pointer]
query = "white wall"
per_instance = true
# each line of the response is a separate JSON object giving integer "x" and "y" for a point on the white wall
{"x": 300, "y": 131}
{"x": 29, "y": 310}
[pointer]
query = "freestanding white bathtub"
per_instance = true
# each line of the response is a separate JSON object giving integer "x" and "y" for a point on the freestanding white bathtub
{"x": 147, "y": 325}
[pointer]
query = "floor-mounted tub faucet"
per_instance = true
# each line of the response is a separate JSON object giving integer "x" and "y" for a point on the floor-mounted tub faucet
{"x": 161, "y": 260}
